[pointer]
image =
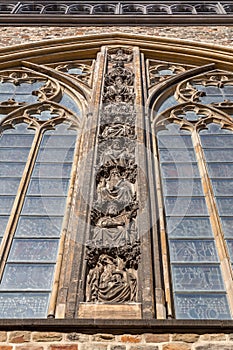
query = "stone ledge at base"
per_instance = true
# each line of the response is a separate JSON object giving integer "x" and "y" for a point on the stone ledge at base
{"x": 110, "y": 311}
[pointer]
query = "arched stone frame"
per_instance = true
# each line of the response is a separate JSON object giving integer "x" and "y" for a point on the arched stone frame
{"x": 154, "y": 49}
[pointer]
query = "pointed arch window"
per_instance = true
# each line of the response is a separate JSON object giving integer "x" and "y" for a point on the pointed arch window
{"x": 194, "y": 143}
{"x": 40, "y": 128}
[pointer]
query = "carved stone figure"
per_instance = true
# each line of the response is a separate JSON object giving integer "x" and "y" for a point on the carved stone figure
{"x": 118, "y": 88}
{"x": 115, "y": 188}
{"x": 118, "y": 154}
{"x": 114, "y": 250}
{"x": 110, "y": 282}
{"x": 121, "y": 56}
{"x": 112, "y": 275}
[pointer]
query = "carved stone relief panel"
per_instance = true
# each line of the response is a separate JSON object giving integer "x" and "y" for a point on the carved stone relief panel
{"x": 214, "y": 88}
{"x": 113, "y": 251}
{"x": 158, "y": 71}
{"x": 82, "y": 70}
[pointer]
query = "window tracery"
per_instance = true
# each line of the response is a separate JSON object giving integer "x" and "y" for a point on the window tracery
{"x": 81, "y": 221}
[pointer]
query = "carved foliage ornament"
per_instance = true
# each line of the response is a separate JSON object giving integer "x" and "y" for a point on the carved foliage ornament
{"x": 114, "y": 249}
{"x": 78, "y": 70}
{"x": 193, "y": 116}
{"x": 20, "y": 88}
{"x": 158, "y": 71}
{"x": 207, "y": 88}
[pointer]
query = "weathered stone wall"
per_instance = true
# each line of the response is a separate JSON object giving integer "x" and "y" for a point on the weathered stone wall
{"x": 23, "y": 340}
{"x": 219, "y": 35}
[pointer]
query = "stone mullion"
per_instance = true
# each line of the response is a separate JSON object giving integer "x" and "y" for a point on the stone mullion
{"x": 113, "y": 248}
{"x": 18, "y": 202}
{"x": 145, "y": 220}
{"x": 61, "y": 249}
{"x": 73, "y": 269}
{"x": 163, "y": 238}
{"x": 214, "y": 220}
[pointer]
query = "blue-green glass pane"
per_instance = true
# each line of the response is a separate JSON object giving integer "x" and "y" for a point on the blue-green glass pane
{"x": 23, "y": 305}
{"x": 225, "y": 206}
{"x": 223, "y": 187}
{"x": 35, "y": 227}
{"x": 219, "y": 155}
{"x": 21, "y": 128}
{"x": 14, "y": 154}
{"x": 6, "y": 203}
{"x": 179, "y": 141}
{"x": 36, "y": 250}
{"x": 58, "y": 141}
{"x": 169, "y": 102}
{"x": 49, "y": 170}
{"x": 188, "y": 227}
{"x": 182, "y": 206}
{"x": 9, "y": 185}
{"x": 7, "y": 140}
{"x": 180, "y": 170}
{"x": 227, "y": 224}
{"x": 230, "y": 248}
{"x": 215, "y": 129}
{"x": 220, "y": 170}
{"x": 177, "y": 155}
{"x": 44, "y": 205}
{"x": 217, "y": 141}
{"x": 27, "y": 277}
{"x": 61, "y": 155}
{"x": 51, "y": 187}
{"x": 193, "y": 251}
{"x": 182, "y": 187}
{"x": 11, "y": 169}
{"x": 197, "y": 277}
{"x": 202, "y": 306}
{"x": 3, "y": 223}
{"x": 173, "y": 129}
{"x": 69, "y": 103}
{"x": 62, "y": 129}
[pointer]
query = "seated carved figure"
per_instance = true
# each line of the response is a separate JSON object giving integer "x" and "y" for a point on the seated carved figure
{"x": 115, "y": 188}
{"x": 118, "y": 154}
{"x": 110, "y": 281}
{"x": 112, "y": 229}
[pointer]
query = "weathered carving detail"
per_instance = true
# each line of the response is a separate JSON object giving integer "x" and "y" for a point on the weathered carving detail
{"x": 114, "y": 250}
{"x": 159, "y": 71}
{"x": 193, "y": 116}
{"x": 44, "y": 89}
{"x": 112, "y": 276}
{"x": 206, "y": 88}
{"x": 81, "y": 71}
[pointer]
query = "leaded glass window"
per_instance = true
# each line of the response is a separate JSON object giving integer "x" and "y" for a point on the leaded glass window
{"x": 194, "y": 142}
{"x": 40, "y": 129}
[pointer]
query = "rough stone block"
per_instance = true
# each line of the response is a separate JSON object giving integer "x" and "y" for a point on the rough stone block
{"x": 213, "y": 337}
{"x": 131, "y": 338}
{"x": 29, "y": 347}
{"x": 63, "y": 347}
{"x": 176, "y": 346}
{"x": 77, "y": 337}
{"x": 156, "y": 338}
{"x": 144, "y": 347}
{"x": 103, "y": 337}
{"x": 94, "y": 346}
{"x": 214, "y": 347}
{"x": 5, "y": 347}
{"x": 46, "y": 336}
{"x": 19, "y": 337}
{"x": 187, "y": 338}
{"x": 118, "y": 347}
{"x": 3, "y": 336}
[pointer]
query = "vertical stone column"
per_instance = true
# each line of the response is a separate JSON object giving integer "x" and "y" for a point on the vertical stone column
{"x": 113, "y": 251}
